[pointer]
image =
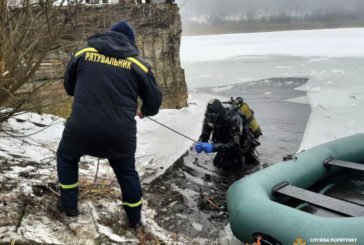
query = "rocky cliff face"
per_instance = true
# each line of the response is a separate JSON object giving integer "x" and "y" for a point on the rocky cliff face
{"x": 158, "y": 33}
{"x": 159, "y": 42}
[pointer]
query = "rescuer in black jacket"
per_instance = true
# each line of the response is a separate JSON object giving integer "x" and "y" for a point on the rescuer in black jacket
{"x": 105, "y": 78}
{"x": 230, "y": 137}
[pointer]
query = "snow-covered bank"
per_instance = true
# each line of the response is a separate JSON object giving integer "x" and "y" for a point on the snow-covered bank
{"x": 28, "y": 170}
{"x": 326, "y": 43}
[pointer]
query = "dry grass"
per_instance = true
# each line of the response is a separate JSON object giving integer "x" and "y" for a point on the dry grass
{"x": 107, "y": 189}
{"x": 61, "y": 109}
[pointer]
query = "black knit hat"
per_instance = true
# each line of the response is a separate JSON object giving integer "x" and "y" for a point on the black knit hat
{"x": 125, "y": 28}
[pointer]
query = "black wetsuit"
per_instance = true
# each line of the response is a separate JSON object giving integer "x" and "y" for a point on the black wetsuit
{"x": 232, "y": 139}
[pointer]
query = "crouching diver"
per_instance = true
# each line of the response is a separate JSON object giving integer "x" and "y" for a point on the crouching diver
{"x": 230, "y": 137}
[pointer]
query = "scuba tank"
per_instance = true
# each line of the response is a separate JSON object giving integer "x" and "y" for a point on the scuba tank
{"x": 253, "y": 124}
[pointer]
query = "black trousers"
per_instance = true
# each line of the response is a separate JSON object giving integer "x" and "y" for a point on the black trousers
{"x": 230, "y": 160}
{"x": 124, "y": 169}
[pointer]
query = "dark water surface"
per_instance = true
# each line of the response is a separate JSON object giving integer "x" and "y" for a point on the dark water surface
{"x": 190, "y": 197}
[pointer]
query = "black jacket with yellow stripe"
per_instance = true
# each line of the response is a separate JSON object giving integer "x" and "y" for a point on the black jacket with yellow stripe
{"x": 106, "y": 78}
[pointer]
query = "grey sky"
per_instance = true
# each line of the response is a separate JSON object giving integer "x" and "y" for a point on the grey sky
{"x": 221, "y": 8}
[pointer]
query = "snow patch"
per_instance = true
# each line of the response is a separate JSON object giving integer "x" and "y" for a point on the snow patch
{"x": 197, "y": 226}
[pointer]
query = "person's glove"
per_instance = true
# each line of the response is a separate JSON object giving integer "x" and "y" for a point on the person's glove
{"x": 204, "y": 146}
{"x": 207, "y": 147}
{"x": 198, "y": 147}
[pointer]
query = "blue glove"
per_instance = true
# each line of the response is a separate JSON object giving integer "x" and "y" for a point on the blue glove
{"x": 198, "y": 147}
{"x": 207, "y": 147}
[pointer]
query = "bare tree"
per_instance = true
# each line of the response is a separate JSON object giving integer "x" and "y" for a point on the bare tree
{"x": 31, "y": 33}
{"x": 28, "y": 32}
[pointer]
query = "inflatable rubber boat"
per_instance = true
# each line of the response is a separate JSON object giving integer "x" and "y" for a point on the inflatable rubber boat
{"x": 316, "y": 196}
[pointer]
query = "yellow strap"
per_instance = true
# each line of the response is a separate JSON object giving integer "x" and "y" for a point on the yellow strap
{"x": 69, "y": 186}
{"x": 86, "y": 50}
{"x": 138, "y": 63}
{"x": 133, "y": 205}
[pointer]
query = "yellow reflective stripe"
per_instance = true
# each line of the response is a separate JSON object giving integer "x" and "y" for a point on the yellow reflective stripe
{"x": 86, "y": 50}
{"x": 133, "y": 205}
{"x": 69, "y": 186}
{"x": 138, "y": 63}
